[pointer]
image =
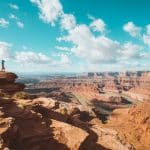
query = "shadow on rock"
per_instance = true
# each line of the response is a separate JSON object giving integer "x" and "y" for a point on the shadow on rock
{"x": 29, "y": 130}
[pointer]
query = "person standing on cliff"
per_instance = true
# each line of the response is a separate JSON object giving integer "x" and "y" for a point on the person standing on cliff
{"x": 3, "y": 65}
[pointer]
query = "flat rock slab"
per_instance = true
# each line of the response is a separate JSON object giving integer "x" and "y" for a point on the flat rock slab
{"x": 69, "y": 135}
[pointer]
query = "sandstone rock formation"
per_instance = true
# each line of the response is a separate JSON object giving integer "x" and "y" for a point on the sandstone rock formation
{"x": 68, "y": 134}
{"x": 46, "y": 123}
{"x": 30, "y": 130}
{"x": 41, "y": 124}
{"x": 7, "y": 83}
{"x": 135, "y": 87}
{"x": 133, "y": 125}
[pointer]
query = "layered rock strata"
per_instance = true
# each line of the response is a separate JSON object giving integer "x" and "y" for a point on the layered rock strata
{"x": 8, "y": 84}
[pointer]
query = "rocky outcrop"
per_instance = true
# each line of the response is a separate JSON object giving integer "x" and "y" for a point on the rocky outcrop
{"x": 7, "y": 77}
{"x": 110, "y": 138}
{"x": 44, "y": 123}
{"x": 133, "y": 125}
{"x": 7, "y": 83}
{"x": 23, "y": 128}
{"x": 5, "y": 126}
{"x": 68, "y": 134}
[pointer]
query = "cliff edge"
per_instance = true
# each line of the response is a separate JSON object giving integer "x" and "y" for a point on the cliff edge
{"x": 8, "y": 83}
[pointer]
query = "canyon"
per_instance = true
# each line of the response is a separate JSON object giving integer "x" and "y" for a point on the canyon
{"x": 136, "y": 87}
{"x": 91, "y": 112}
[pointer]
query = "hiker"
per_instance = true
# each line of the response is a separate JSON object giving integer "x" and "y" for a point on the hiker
{"x": 3, "y": 65}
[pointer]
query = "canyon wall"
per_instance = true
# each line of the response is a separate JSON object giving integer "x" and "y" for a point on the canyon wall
{"x": 136, "y": 87}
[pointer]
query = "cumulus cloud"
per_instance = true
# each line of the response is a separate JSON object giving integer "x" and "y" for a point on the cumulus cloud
{"x": 14, "y": 6}
{"x": 98, "y": 25}
{"x": 130, "y": 51}
{"x": 100, "y": 49}
{"x": 135, "y": 31}
{"x": 89, "y": 47}
{"x": 3, "y": 23}
{"x": 146, "y": 39}
{"x": 5, "y": 52}
{"x": 132, "y": 29}
{"x": 20, "y": 24}
{"x": 50, "y": 10}
{"x": 148, "y": 29}
{"x": 68, "y": 21}
{"x": 146, "y": 36}
{"x": 31, "y": 57}
{"x": 86, "y": 44}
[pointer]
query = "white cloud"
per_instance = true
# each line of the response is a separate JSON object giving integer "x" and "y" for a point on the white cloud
{"x": 100, "y": 49}
{"x": 20, "y": 24}
{"x": 64, "y": 59}
{"x": 148, "y": 29}
{"x": 145, "y": 55}
{"x": 146, "y": 39}
{"x": 91, "y": 48}
{"x": 68, "y": 21}
{"x": 12, "y": 16}
{"x": 135, "y": 31}
{"x": 86, "y": 45}
{"x": 32, "y": 57}
{"x": 50, "y": 10}
{"x": 39, "y": 60}
{"x": 13, "y": 6}
{"x": 130, "y": 51}
{"x": 132, "y": 29}
{"x": 98, "y": 25}
{"x": 91, "y": 17}
{"x": 146, "y": 36}
{"x": 5, "y": 52}
{"x": 3, "y": 23}
{"x": 62, "y": 48}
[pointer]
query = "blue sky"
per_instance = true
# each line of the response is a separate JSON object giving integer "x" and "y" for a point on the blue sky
{"x": 75, "y": 36}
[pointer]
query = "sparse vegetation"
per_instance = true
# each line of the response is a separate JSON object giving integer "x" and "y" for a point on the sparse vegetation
{"x": 64, "y": 111}
{"x": 2, "y": 94}
{"x": 22, "y": 95}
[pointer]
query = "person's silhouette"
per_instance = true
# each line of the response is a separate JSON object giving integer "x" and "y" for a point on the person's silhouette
{"x": 3, "y": 65}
